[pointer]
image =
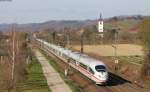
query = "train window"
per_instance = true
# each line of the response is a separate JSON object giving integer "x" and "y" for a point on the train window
{"x": 100, "y": 68}
{"x": 91, "y": 70}
{"x": 60, "y": 53}
{"x": 72, "y": 60}
{"x": 84, "y": 66}
{"x": 65, "y": 56}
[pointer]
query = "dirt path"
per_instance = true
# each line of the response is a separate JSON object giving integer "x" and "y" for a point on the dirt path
{"x": 55, "y": 83}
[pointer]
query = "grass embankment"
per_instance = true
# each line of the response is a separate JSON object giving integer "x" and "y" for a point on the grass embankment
{"x": 70, "y": 82}
{"x": 36, "y": 81}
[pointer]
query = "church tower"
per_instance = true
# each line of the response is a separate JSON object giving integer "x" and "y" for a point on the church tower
{"x": 100, "y": 24}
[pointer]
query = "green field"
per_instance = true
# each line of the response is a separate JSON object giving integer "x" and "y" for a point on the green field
{"x": 36, "y": 81}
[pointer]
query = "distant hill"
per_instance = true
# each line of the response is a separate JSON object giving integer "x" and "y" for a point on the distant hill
{"x": 124, "y": 22}
{"x": 57, "y": 25}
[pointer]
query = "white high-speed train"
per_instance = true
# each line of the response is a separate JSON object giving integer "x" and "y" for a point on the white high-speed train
{"x": 94, "y": 69}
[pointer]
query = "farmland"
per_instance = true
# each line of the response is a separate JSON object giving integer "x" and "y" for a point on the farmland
{"x": 108, "y": 50}
{"x": 125, "y": 52}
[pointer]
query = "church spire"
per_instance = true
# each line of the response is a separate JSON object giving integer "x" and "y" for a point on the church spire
{"x": 100, "y": 17}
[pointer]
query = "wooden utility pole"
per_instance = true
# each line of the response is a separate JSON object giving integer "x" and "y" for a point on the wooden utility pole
{"x": 82, "y": 40}
{"x": 82, "y": 44}
{"x": 68, "y": 41}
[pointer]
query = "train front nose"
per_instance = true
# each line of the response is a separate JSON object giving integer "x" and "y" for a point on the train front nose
{"x": 103, "y": 77}
{"x": 101, "y": 73}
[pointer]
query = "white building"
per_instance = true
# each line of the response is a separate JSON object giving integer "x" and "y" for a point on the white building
{"x": 100, "y": 25}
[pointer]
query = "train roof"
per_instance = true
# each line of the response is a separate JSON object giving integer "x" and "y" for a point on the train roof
{"x": 82, "y": 58}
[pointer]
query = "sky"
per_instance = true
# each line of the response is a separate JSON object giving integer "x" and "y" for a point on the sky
{"x": 35, "y": 11}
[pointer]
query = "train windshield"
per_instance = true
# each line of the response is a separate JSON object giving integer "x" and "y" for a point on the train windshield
{"x": 100, "y": 68}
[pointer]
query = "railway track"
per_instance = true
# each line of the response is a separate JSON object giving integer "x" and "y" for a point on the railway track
{"x": 115, "y": 84}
